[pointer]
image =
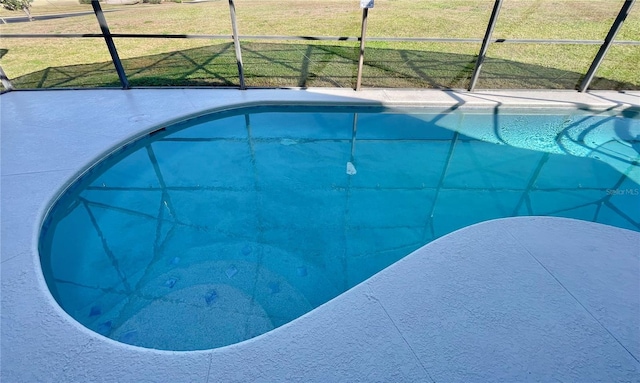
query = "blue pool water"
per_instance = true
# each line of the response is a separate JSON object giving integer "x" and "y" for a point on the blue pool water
{"x": 226, "y": 226}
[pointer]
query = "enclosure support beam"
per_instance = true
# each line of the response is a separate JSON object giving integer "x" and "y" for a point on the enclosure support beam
{"x": 236, "y": 43}
{"x": 617, "y": 24}
{"x": 5, "y": 81}
{"x": 365, "y": 14}
{"x": 485, "y": 44}
{"x": 109, "y": 40}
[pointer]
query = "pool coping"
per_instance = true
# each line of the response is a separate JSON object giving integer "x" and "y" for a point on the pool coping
{"x": 40, "y": 342}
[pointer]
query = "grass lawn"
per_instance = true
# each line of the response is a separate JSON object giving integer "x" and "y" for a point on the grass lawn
{"x": 85, "y": 62}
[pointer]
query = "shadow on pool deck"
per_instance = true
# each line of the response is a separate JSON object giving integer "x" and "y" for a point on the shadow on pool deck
{"x": 312, "y": 65}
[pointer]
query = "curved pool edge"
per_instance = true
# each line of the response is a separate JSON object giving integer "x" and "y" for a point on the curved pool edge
{"x": 423, "y": 318}
{"x": 38, "y": 338}
{"x": 413, "y": 321}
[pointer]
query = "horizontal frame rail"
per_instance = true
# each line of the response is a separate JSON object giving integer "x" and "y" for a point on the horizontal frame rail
{"x": 315, "y": 38}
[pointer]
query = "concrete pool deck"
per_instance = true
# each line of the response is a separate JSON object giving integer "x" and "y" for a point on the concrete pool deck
{"x": 518, "y": 299}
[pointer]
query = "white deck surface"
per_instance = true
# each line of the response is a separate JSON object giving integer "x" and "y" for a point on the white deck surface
{"x": 521, "y": 299}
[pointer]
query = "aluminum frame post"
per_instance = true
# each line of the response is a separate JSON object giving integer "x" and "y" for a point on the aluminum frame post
{"x": 485, "y": 44}
{"x": 5, "y": 81}
{"x": 236, "y": 43}
{"x": 604, "y": 48}
{"x": 110, "y": 45}
{"x": 365, "y": 15}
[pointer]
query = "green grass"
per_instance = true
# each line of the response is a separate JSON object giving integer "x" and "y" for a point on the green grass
{"x": 38, "y": 63}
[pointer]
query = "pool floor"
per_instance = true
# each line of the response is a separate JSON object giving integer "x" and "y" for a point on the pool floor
{"x": 230, "y": 225}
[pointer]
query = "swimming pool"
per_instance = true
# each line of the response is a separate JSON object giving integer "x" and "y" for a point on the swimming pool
{"x": 226, "y": 226}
